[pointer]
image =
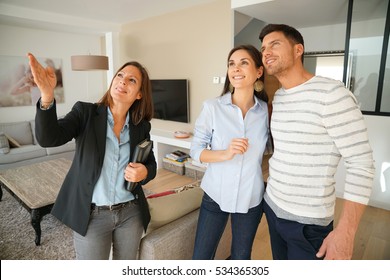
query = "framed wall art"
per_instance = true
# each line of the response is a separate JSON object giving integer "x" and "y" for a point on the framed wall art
{"x": 17, "y": 87}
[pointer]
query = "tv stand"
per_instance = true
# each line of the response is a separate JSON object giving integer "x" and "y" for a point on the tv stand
{"x": 165, "y": 142}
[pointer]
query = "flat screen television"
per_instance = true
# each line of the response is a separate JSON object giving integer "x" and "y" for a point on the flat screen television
{"x": 171, "y": 100}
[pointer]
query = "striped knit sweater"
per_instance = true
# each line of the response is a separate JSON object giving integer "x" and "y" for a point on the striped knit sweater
{"x": 313, "y": 126}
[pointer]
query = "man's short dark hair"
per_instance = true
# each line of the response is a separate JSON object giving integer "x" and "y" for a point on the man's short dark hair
{"x": 290, "y": 32}
{"x": 293, "y": 35}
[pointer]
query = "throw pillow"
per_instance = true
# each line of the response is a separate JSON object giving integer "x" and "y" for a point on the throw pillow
{"x": 170, "y": 206}
{"x": 12, "y": 142}
{"x": 4, "y": 145}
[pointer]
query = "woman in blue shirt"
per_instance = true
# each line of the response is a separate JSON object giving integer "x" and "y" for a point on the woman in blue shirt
{"x": 230, "y": 135}
{"x": 93, "y": 200}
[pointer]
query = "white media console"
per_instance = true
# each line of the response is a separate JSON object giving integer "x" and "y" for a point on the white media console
{"x": 165, "y": 142}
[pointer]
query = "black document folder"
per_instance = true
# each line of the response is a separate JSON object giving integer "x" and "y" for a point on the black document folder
{"x": 140, "y": 155}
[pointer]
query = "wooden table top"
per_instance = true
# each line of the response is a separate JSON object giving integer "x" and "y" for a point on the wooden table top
{"x": 38, "y": 184}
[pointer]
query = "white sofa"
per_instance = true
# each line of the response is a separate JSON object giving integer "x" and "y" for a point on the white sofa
{"x": 23, "y": 147}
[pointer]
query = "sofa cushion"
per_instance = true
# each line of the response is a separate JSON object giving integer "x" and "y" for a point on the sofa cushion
{"x": 4, "y": 145}
{"x": 174, "y": 241}
{"x": 167, "y": 208}
{"x": 12, "y": 142}
{"x": 20, "y": 131}
{"x": 25, "y": 152}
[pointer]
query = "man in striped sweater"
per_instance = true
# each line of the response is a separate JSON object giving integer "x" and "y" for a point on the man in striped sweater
{"x": 315, "y": 122}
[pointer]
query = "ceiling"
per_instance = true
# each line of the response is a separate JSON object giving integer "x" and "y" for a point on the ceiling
{"x": 95, "y": 16}
{"x": 113, "y": 11}
{"x": 309, "y": 13}
{"x": 105, "y": 15}
{"x": 298, "y": 13}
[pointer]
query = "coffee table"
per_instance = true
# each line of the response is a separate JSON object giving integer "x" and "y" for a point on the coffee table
{"x": 36, "y": 187}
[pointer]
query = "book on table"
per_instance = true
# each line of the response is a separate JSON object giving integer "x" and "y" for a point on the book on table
{"x": 177, "y": 156}
{"x": 140, "y": 155}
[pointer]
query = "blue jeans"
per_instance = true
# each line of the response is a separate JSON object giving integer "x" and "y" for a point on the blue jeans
{"x": 211, "y": 225}
{"x": 291, "y": 240}
{"x": 120, "y": 229}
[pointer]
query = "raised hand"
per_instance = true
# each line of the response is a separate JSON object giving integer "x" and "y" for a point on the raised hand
{"x": 44, "y": 78}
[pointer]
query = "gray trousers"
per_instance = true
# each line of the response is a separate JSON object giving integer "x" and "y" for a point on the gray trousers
{"x": 120, "y": 230}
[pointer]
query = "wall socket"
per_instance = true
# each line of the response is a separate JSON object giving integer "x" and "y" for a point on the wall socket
{"x": 215, "y": 80}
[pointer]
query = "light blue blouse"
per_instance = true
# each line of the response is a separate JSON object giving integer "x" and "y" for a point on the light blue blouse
{"x": 109, "y": 189}
{"x": 236, "y": 185}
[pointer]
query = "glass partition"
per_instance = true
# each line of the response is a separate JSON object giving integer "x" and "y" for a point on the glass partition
{"x": 366, "y": 46}
{"x": 385, "y": 102}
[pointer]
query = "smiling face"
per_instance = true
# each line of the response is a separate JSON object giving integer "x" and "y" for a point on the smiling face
{"x": 278, "y": 53}
{"x": 242, "y": 70}
{"x": 126, "y": 85}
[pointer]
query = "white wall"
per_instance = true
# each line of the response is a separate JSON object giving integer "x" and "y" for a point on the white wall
{"x": 190, "y": 44}
{"x": 324, "y": 38}
{"x": 377, "y": 127}
{"x": 250, "y": 33}
{"x": 332, "y": 36}
{"x": 78, "y": 85}
{"x": 379, "y": 134}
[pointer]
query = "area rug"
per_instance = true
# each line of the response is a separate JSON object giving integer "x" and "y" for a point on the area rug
{"x": 17, "y": 235}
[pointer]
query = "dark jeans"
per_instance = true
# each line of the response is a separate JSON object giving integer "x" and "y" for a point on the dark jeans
{"x": 291, "y": 240}
{"x": 211, "y": 225}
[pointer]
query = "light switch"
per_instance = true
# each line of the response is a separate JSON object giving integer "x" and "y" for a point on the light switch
{"x": 215, "y": 80}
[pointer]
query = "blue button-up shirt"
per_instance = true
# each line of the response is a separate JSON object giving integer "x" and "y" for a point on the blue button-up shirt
{"x": 109, "y": 189}
{"x": 237, "y": 184}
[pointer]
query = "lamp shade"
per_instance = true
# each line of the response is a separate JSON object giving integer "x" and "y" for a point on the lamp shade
{"x": 89, "y": 62}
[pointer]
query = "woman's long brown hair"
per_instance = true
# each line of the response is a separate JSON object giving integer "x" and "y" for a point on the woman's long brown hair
{"x": 142, "y": 109}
